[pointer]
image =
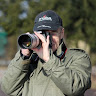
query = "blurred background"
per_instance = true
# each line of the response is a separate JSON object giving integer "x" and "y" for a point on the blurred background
{"x": 79, "y": 21}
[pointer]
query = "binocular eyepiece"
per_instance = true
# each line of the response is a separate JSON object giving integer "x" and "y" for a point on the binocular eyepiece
{"x": 29, "y": 41}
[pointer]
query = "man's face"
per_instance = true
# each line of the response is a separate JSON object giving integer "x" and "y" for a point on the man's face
{"x": 56, "y": 37}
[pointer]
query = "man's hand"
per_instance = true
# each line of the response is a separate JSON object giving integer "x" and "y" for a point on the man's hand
{"x": 25, "y": 52}
{"x": 43, "y": 52}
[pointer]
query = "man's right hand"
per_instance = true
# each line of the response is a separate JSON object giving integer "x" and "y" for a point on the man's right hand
{"x": 25, "y": 52}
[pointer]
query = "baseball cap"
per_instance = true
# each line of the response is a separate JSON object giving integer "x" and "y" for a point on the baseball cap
{"x": 47, "y": 20}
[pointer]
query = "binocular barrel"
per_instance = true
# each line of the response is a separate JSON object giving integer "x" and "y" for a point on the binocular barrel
{"x": 28, "y": 41}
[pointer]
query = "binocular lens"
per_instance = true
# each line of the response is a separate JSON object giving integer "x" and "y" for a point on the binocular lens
{"x": 24, "y": 41}
{"x": 28, "y": 41}
{"x": 27, "y": 44}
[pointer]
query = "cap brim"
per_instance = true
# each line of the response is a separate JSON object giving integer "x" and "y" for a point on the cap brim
{"x": 46, "y": 26}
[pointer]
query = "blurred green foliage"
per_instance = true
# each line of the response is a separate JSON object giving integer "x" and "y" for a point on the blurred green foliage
{"x": 79, "y": 17}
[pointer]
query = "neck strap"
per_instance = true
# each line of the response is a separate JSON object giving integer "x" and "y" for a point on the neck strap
{"x": 61, "y": 56}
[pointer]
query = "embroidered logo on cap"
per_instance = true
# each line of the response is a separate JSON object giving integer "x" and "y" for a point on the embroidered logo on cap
{"x": 45, "y": 18}
{"x": 44, "y": 26}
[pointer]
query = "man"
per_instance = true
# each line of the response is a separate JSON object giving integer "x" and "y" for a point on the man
{"x": 48, "y": 71}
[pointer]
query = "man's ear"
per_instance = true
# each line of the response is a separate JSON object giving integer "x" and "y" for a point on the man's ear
{"x": 62, "y": 33}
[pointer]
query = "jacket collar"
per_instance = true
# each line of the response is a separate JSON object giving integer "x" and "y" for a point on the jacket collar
{"x": 61, "y": 50}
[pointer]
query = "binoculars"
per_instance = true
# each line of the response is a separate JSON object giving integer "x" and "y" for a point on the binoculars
{"x": 29, "y": 41}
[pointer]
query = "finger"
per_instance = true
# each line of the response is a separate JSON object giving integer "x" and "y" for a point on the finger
{"x": 28, "y": 33}
{"x": 25, "y": 51}
{"x": 41, "y": 37}
{"x": 48, "y": 39}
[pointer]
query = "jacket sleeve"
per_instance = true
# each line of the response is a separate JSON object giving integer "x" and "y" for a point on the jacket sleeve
{"x": 13, "y": 80}
{"x": 73, "y": 75}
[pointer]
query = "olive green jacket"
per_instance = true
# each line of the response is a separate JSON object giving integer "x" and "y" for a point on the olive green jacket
{"x": 70, "y": 76}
